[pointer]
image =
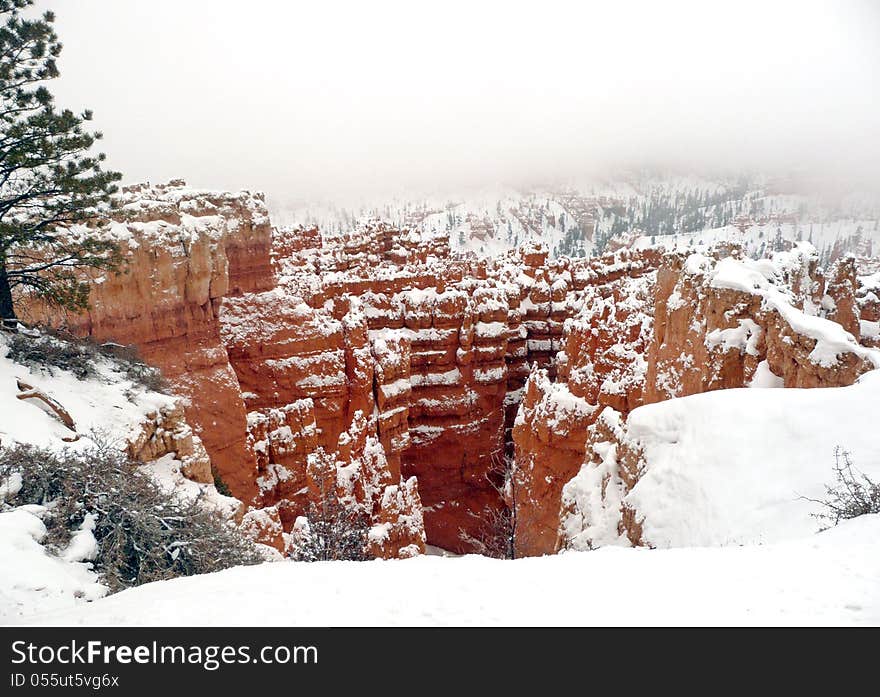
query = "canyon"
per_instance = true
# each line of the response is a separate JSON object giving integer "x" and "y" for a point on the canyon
{"x": 439, "y": 390}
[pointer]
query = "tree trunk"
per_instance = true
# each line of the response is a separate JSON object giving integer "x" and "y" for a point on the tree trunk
{"x": 7, "y": 311}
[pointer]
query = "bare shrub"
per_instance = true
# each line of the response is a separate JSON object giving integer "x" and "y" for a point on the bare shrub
{"x": 49, "y": 348}
{"x": 143, "y": 534}
{"x": 332, "y": 530}
{"x": 497, "y": 532}
{"x": 853, "y": 494}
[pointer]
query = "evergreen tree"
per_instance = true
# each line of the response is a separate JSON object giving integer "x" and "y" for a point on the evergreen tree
{"x": 48, "y": 180}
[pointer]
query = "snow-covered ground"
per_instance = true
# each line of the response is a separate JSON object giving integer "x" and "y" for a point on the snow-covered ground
{"x": 827, "y": 579}
{"x": 109, "y": 407}
{"x": 33, "y": 580}
{"x": 109, "y": 403}
{"x": 728, "y": 467}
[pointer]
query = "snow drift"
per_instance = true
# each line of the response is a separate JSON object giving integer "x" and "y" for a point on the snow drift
{"x": 728, "y": 467}
{"x": 830, "y": 578}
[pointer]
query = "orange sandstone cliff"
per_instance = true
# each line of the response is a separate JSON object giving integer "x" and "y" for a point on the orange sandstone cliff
{"x": 426, "y": 383}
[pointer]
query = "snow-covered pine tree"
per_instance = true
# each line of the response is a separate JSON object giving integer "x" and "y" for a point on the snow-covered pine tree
{"x": 48, "y": 179}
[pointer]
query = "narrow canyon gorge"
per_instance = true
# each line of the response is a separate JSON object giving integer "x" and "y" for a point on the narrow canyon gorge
{"x": 437, "y": 389}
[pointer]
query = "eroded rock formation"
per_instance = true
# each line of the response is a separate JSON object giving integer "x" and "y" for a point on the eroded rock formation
{"x": 719, "y": 322}
{"x": 420, "y": 382}
{"x": 186, "y": 250}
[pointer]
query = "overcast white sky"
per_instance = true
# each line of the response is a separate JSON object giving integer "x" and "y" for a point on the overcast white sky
{"x": 326, "y": 98}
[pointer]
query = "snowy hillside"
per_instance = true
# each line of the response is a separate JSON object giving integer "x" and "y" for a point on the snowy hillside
{"x": 831, "y": 239}
{"x": 108, "y": 402}
{"x": 730, "y": 467}
{"x": 53, "y": 408}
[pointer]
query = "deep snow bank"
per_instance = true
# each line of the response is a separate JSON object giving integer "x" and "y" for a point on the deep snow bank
{"x": 829, "y": 578}
{"x": 729, "y": 467}
{"x": 30, "y": 578}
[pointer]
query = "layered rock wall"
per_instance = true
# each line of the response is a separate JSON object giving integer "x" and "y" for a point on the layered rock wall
{"x": 721, "y": 322}
{"x": 426, "y": 384}
{"x": 435, "y": 350}
{"x": 185, "y": 251}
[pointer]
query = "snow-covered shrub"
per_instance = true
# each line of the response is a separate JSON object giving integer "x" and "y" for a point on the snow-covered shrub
{"x": 138, "y": 533}
{"x": 331, "y": 530}
{"x": 43, "y": 351}
{"x": 49, "y": 349}
{"x": 853, "y": 493}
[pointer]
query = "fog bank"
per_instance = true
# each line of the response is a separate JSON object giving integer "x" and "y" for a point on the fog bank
{"x": 339, "y": 99}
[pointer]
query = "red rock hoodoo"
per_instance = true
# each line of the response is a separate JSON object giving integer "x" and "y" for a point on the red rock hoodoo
{"x": 695, "y": 324}
{"x": 418, "y": 378}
